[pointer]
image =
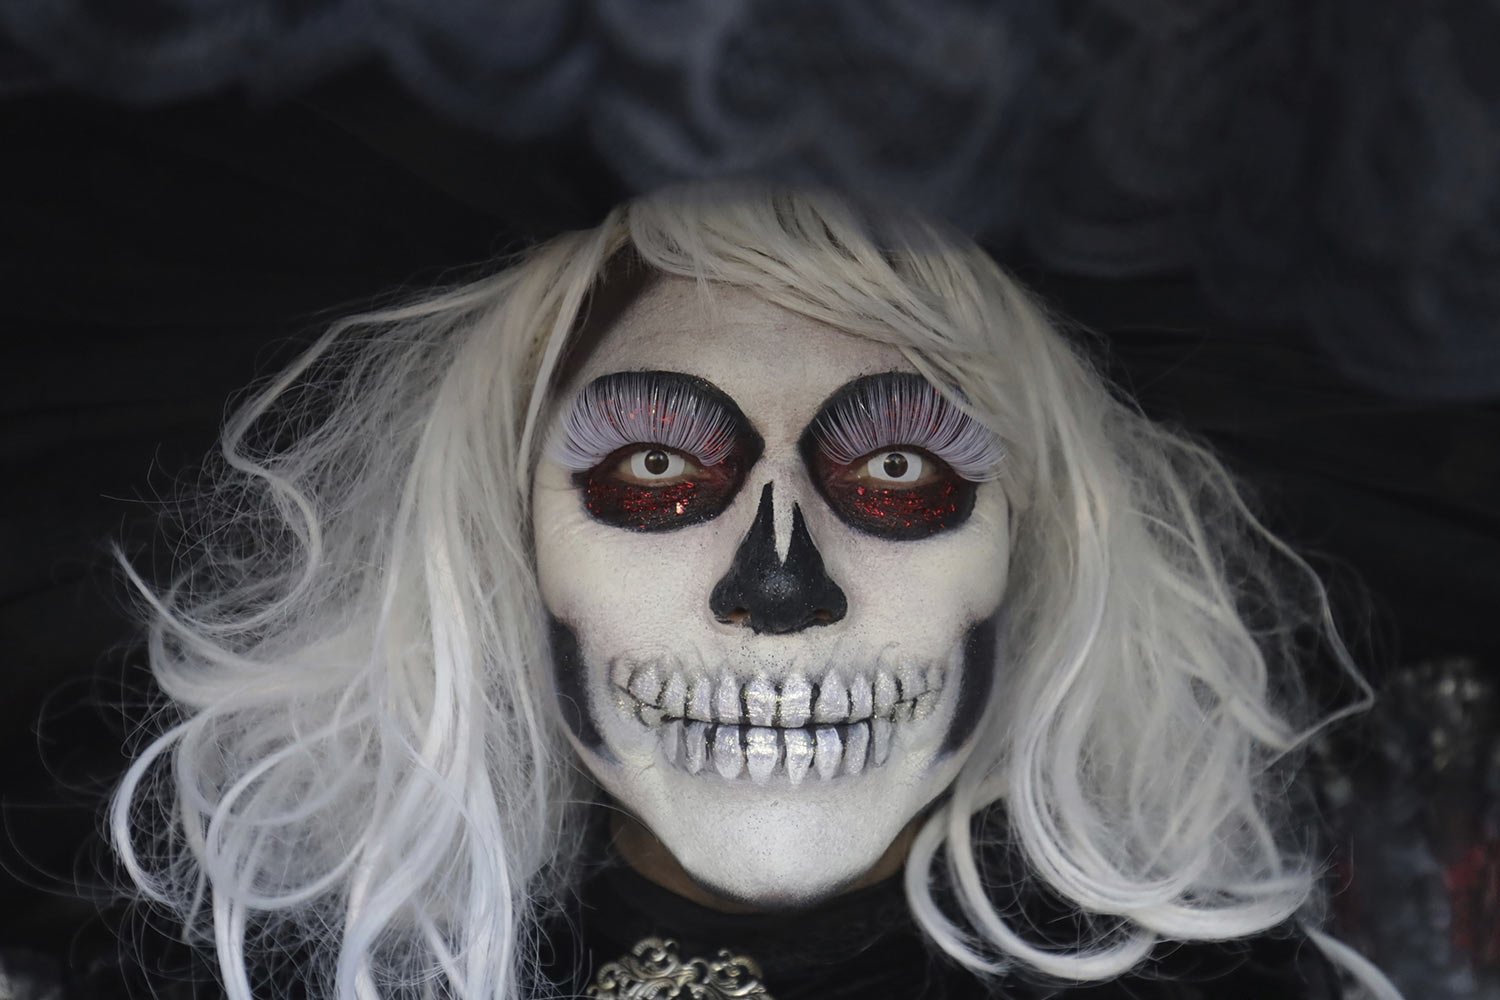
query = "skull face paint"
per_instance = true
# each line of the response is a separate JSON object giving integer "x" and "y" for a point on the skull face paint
{"x": 773, "y": 556}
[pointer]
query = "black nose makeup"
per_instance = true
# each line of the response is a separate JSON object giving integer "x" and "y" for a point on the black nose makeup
{"x": 772, "y": 596}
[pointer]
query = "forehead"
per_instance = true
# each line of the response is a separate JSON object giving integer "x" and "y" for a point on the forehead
{"x": 771, "y": 361}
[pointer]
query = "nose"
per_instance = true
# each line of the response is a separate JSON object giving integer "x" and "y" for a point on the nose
{"x": 774, "y": 595}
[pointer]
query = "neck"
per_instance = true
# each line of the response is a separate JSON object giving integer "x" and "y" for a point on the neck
{"x": 650, "y": 859}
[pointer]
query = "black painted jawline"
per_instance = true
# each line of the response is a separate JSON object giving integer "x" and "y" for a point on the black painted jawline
{"x": 975, "y": 683}
{"x": 571, "y": 675}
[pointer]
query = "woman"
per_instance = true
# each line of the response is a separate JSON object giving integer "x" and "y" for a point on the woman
{"x": 803, "y": 530}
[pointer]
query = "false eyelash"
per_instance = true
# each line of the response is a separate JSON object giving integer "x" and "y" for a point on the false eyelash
{"x": 885, "y": 412}
{"x": 639, "y": 408}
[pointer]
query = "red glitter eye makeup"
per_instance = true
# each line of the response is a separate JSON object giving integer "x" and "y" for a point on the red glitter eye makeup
{"x": 888, "y": 507}
{"x": 614, "y": 494}
{"x": 655, "y": 451}
{"x": 894, "y": 458}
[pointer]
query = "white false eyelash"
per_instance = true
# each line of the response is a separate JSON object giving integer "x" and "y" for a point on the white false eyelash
{"x": 639, "y": 409}
{"x": 893, "y": 412}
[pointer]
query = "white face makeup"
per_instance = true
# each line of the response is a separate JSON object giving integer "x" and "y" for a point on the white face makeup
{"x": 773, "y": 559}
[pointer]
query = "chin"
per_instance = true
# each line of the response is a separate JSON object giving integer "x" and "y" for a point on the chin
{"x": 774, "y": 840}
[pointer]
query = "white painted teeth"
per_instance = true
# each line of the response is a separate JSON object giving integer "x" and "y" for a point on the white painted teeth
{"x": 799, "y": 754}
{"x": 699, "y": 699}
{"x": 645, "y": 684}
{"x": 861, "y": 703}
{"x": 760, "y": 727}
{"x": 911, "y": 681}
{"x": 760, "y": 702}
{"x": 727, "y": 701}
{"x": 880, "y": 741}
{"x": 694, "y": 747}
{"x": 796, "y": 702}
{"x": 729, "y": 756}
{"x": 762, "y": 753}
{"x": 855, "y": 747}
{"x": 674, "y": 697}
{"x": 885, "y": 694}
{"x": 828, "y": 752}
{"x": 833, "y": 699}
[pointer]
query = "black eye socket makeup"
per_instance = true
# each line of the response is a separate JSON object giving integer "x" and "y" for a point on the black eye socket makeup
{"x": 655, "y": 451}
{"x": 894, "y": 458}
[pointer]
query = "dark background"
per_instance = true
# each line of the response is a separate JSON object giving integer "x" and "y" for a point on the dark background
{"x": 1279, "y": 225}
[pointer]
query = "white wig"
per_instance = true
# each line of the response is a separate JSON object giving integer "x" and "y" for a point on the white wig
{"x": 364, "y": 760}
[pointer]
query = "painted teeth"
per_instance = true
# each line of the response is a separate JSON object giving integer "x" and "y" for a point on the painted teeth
{"x": 880, "y": 741}
{"x": 828, "y": 752}
{"x": 694, "y": 746}
{"x": 729, "y": 756}
{"x": 796, "y": 702}
{"x": 911, "y": 681}
{"x": 799, "y": 754}
{"x": 645, "y": 684}
{"x": 727, "y": 701}
{"x": 700, "y": 700}
{"x": 855, "y": 747}
{"x": 885, "y": 694}
{"x": 760, "y": 702}
{"x": 833, "y": 699}
{"x": 761, "y": 752}
{"x": 760, "y": 728}
{"x": 674, "y": 697}
{"x": 787, "y": 704}
{"x": 861, "y": 698}
{"x": 671, "y": 739}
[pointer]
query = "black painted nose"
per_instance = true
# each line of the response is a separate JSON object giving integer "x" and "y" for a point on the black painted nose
{"x": 773, "y": 596}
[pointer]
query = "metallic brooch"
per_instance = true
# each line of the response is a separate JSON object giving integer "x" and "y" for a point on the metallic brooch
{"x": 654, "y": 971}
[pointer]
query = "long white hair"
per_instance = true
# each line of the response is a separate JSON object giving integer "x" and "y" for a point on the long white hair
{"x": 361, "y": 759}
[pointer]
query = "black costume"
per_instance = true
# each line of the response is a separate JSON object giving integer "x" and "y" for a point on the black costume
{"x": 864, "y": 944}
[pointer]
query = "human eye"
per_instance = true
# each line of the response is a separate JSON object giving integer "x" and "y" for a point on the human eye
{"x": 646, "y": 487}
{"x": 894, "y": 458}
{"x": 899, "y": 493}
{"x": 655, "y": 466}
{"x": 902, "y": 468}
{"x": 654, "y": 451}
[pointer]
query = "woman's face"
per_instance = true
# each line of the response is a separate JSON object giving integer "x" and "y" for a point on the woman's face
{"x": 773, "y": 561}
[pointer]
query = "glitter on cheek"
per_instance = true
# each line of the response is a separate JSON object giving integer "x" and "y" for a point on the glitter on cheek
{"x": 898, "y": 512}
{"x": 922, "y": 509}
{"x": 658, "y": 508}
{"x": 640, "y": 507}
